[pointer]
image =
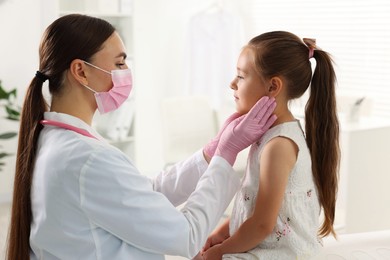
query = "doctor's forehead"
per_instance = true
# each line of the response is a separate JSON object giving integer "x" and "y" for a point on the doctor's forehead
{"x": 113, "y": 47}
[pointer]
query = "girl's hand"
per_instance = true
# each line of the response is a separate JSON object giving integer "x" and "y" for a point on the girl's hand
{"x": 213, "y": 253}
{"x": 198, "y": 256}
{"x": 212, "y": 240}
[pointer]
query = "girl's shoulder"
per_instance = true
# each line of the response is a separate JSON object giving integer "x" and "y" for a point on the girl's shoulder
{"x": 290, "y": 130}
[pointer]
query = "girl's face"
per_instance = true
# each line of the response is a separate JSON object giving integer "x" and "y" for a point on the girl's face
{"x": 248, "y": 86}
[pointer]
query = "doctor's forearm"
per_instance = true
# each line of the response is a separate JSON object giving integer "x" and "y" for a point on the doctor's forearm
{"x": 178, "y": 182}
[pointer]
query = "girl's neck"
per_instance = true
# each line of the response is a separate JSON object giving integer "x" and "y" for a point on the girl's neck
{"x": 284, "y": 115}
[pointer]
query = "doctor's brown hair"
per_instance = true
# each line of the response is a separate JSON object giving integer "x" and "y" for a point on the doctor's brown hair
{"x": 284, "y": 54}
{"x": 69, "y": 37}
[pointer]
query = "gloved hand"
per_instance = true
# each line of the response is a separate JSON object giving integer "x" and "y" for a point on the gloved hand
{"x": 210, "y": 148}
{"x": 247, "y": 129}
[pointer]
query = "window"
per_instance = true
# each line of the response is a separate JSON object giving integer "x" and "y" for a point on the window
{"x": 356, "y": 33}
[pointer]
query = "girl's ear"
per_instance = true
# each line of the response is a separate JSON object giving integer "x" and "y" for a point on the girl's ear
{"x": 276, "y": 85}
{"x": 77, "y": 69}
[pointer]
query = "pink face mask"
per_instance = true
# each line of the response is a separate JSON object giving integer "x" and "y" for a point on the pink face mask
{"x": 122, "y": 84}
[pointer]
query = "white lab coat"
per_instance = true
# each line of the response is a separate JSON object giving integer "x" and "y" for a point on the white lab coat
{"x": 214, "y": 43}
{"x": 90, "y": 202}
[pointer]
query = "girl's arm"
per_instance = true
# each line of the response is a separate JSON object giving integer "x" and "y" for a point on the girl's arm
{"x": 276, "y": 162}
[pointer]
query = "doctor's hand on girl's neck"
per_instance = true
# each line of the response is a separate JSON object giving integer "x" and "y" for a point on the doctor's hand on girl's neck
{"x": 249, "y": 86}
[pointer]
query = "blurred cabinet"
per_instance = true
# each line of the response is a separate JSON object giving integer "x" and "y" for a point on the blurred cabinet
{"x": 364, "y": 193}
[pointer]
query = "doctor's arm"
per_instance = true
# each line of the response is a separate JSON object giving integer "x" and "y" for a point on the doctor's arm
{"x": 122, "y": 202}
{"x": 180, "y": 180}
{"x": 118, "y": 199}
{"x": 237, "y": 133}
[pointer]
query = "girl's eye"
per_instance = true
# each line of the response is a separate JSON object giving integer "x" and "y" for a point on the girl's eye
{"x": 240, "y": 77}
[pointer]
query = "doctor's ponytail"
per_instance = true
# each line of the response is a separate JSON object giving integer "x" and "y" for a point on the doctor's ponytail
{"x": 33, "y": 108}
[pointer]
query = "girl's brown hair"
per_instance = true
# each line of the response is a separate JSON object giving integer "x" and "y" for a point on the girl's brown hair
{"x": 281, "y": 53}
{"x": 69, "y": 37}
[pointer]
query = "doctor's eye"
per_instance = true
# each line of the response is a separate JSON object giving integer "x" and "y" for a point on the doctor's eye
{"x": 120, "y": 65}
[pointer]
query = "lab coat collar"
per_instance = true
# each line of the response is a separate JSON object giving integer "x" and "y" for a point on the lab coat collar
{"x": 73, "y": 121}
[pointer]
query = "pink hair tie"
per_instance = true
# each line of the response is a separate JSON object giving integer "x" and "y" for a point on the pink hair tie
{"x": 311, "y": 44}
{"x": 311, "y": 53}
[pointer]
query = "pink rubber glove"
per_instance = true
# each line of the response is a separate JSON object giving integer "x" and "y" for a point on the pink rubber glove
{"x": 246, "y": 129}
{"x": 210, "y": 148}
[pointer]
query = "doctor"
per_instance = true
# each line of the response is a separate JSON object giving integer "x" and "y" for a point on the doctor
{"x": 76, "y": 196}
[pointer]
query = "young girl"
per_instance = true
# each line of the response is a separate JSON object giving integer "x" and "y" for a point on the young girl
{"x": 290, "y": 174}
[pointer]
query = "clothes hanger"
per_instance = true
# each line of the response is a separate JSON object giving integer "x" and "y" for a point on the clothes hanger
{"x": 215, "y": 7}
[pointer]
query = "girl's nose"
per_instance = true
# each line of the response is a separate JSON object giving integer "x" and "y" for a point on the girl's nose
{"x": 233, "y": 84}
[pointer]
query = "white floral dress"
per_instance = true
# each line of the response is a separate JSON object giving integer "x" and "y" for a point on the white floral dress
{"x": 295, "y": 233}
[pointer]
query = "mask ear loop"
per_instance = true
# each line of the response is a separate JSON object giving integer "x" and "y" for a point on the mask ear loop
{"x": 94, "y": 91}
{"x": 96, "y": 67}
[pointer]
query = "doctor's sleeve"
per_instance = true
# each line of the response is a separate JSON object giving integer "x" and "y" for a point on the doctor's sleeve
{"x": 179, "y": 181}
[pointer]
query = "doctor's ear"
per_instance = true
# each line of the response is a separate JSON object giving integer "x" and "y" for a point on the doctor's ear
{"x": 276, "y": 85}
{"x": 77, "y": 69}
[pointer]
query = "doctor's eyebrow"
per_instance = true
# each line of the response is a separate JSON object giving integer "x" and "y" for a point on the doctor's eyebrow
{"x": 122, "y": 54}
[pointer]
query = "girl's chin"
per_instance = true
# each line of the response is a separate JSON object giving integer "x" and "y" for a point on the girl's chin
{"x": 241, "y": 110}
